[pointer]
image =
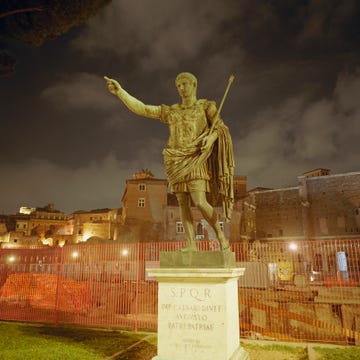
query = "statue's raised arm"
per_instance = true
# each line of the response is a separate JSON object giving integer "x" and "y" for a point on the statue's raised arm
{"x": 132, "y": 103}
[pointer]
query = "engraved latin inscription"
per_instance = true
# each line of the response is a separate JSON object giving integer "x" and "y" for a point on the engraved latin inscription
{"x": 194, "y": 318}
{"x": 192, "y": 310}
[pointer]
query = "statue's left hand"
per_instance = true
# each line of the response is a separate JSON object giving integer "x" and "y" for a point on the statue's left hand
{"x": 208, "y": 141}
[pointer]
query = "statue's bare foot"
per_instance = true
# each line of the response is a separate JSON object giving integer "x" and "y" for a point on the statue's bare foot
{"x": 188, "y": 248}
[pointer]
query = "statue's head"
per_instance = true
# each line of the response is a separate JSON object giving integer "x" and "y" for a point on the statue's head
{"x": 185, "y": 83}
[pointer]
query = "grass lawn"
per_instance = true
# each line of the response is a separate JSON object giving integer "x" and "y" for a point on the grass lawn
{"x": 45, "y": 342}
{"x": 275, "y": 352}
{"x": 24, "y": 341}
{"x": 351, "y": 353}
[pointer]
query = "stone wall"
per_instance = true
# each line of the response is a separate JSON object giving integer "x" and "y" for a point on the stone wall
{"x": 278, "y": 214}
{"x": 334, "y": 204}
{"x": 321, "y": 207}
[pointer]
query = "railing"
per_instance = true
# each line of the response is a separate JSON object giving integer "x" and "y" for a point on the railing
{"x": 307, "y": 291}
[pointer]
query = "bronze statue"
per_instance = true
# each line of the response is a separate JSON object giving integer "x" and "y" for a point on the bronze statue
{"x": 198, "y": 157}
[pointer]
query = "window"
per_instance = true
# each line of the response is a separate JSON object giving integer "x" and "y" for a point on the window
{"x": 199, "y": 231}
{"x": 236, "y": 189}
{"x": 179, "y": 227}
{"x": 142, "y": 187}
{"x": 141, "y": 202}
{"x": 221, "y": 223}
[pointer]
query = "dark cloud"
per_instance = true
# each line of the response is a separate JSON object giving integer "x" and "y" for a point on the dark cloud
{"x": 329, "y": 23}
{"x": 292, "y": 107}
{"x": 162, "y": 34}
{"x": 301, "y": 134}
{"x": 79, "y": 91}
{"x": 95, "y": 185}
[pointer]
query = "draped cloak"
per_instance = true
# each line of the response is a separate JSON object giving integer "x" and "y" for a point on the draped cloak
{"x": 218, "y": 162}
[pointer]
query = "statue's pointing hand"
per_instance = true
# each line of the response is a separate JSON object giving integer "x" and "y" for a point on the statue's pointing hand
{"x": 113, "y": 85}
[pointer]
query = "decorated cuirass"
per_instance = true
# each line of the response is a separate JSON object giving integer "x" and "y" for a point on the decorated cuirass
{"x": 186, "y": 123}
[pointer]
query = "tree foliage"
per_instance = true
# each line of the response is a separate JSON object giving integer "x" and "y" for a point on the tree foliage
{"x": 36, "y": 21}
{"x": 7, "y": 63}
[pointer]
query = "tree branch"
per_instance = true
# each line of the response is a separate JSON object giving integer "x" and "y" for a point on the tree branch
{"x": 12, "y": 12}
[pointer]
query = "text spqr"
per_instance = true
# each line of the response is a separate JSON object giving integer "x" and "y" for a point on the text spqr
{"x": 195, "y": 293}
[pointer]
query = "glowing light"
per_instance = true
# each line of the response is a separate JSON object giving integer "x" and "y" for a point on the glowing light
{"x": 26, "y": 210}
{"x": 293, "y": 246}
{"x": 11, "y": 258}
{"x": 47, "y": 241}
{"x": 125, "y": 252}
{"x": 75, "y": 254}
{"x": 87, "y": 235}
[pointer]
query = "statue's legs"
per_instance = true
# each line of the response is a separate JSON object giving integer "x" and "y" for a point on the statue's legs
{"x": 200, "y": 201}
{"x": 187, "y": 220}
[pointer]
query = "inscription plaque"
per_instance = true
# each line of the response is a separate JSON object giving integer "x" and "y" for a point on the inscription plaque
{"x": 198, "y": 314}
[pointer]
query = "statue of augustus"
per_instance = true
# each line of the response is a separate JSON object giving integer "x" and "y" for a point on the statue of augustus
{"x": 199, "y": 156}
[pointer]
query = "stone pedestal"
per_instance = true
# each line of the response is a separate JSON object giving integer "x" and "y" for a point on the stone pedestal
{"x": 198, "y": 315}
{"x": 197, "y": 259}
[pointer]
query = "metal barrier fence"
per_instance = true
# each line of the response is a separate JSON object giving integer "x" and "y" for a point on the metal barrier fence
{"x": 307, "y": 291}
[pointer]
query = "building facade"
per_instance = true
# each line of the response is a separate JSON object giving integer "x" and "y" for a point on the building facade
{"x": 153, "y": 213}
{"x": 36, "y": 227}
{"x": 322, "y": 206}
{"x": 99, "y": 223}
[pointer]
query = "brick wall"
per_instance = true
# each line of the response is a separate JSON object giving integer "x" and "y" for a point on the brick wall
{"x": 278, "y": 214}
{"x": 320, "y": 207}
{"x": 334, "y": 204}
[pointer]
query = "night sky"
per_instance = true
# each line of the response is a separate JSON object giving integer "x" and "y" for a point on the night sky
{"x": 294, "y": 105}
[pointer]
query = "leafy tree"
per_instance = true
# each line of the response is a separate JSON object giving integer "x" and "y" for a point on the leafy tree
{"x": 36, "y": 21}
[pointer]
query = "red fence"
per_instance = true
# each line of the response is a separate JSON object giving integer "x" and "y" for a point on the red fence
{"x": 296, "y": 292}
